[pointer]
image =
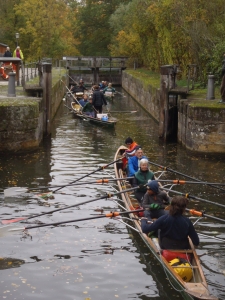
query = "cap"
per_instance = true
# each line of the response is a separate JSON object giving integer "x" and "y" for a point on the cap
{"x": 153, "y": 185}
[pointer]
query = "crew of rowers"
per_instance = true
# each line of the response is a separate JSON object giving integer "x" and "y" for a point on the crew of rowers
{"x": 92, "y": 104}
{"x": 173, "y": 225}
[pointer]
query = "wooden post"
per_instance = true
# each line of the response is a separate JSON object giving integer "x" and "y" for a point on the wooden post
{"x": 47, "y": 97}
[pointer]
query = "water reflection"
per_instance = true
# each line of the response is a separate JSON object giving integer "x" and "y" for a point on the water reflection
{"x": 9, "y": 263}
{"x": 100, "y": 259}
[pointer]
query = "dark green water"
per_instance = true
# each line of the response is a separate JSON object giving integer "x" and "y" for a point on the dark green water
{"x": 97, "y": 259}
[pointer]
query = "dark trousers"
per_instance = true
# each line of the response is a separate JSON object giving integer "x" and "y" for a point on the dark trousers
{"x": 98, "y": 108}
{"x": 155, "y": 214}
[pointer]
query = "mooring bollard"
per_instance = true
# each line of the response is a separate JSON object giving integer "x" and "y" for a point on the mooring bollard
{"x": 211, "y": 88}
{"x": 11, "y": 85}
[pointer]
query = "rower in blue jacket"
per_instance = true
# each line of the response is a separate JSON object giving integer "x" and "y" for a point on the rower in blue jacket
{"x": 134, "y": 162}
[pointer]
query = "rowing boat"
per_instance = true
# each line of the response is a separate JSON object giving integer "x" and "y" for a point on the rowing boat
{"x": 197, "y": 287}
{"x": 102, "y": 119}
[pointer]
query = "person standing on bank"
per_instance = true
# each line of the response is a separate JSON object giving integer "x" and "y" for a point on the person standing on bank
{"x": 174, "y": 227}
{"x": 7, "y": 53}
{"x": 222, "y": 87}
{"x": 98, "y": 99}
{"x": 18, "y": 53}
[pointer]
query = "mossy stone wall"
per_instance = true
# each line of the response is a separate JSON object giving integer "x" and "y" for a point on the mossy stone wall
{"x": 22, "y": 118}
{"x": 21, "y": 125}
{"x": 201, "y": 125}
{"x": 147, "y": 96}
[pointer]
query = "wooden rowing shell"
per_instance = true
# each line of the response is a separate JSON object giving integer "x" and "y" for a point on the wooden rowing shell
{"x": 197, "y": 287}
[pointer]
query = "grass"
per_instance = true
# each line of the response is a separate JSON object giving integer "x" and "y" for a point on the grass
{"x": 153, "y": 79}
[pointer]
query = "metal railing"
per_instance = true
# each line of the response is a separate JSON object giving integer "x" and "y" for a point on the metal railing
{"x": 31, "y": 70}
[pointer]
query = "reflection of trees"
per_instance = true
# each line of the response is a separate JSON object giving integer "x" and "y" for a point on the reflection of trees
{"x": 9, "y": 263}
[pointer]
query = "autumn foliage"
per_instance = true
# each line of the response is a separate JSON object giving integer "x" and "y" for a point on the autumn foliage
{"x": 153, "y": 32}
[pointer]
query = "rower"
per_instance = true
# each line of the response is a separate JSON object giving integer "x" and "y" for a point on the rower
{"x": 88, "y": 109}
{"x": 154, "y": 201}
{"x": 141, "y": 178}
{"x": 109, "y": 89}
{"x": 174, "y": 227}
{"x": 134, "y": 161}
{"x": 81, "y": 86}
{"x": 84, "y": 101}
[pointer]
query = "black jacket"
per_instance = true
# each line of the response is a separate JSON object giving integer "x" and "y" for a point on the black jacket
{"x": 98, "y": 98}
{"x": 7, "y": 54}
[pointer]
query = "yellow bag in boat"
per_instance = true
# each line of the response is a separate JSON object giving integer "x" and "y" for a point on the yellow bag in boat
{"x": 183, "y": 269}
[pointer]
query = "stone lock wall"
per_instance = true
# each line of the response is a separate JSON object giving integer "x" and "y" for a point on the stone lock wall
{"x": 23, "y": 119}
{"x": 201, "y": 125}
{"x": 21, "y": 124}
{"x": 147, "y": 96}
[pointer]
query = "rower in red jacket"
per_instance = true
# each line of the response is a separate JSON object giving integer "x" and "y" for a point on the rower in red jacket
{"x": 131, "y": 145}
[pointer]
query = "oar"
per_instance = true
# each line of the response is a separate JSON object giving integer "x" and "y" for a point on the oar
{"x": 97, "y": 181}
{"x": 72, "y": 94}
{"x": 126, "y": 111}
{"x": 202, "y": 214}
{"x": 187, "y": 195}
{"x": 17, "y": 190}
{"x": 178, "y": 181}
{"x": 108, "y": 215}
{"x": 187, "y": 176}
{"x": 119, "y": 93}
{"x": 72, "y": 79}
{"x": 66, "y": 207}
{"x": 99, "y": 169}
{"x": 68, "y": 107}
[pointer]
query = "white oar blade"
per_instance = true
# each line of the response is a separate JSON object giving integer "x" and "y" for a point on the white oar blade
{"x": 17, "y": 229}
{"x": 14, "y": 191}
{"x": 5, "y": 230}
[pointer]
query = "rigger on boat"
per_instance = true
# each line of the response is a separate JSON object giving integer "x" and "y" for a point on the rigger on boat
{"x": 182, "y": 267}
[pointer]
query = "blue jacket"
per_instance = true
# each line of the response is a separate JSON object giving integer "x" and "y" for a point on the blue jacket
{"x": 82, "y": 102}
{"x": 133, "y": 165}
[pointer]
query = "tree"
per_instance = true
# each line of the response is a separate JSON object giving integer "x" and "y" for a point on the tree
{"x": 92, "y": 26}
{"x": 46, "y": 30}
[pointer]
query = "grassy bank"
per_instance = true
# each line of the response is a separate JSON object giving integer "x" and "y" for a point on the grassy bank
{"x": 151, "y": 78}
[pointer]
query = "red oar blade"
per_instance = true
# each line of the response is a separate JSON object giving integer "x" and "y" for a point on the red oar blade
{"x": 5, "y": 222}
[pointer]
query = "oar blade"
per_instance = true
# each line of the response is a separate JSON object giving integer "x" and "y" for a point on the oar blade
{"x": 15, "y": 191}
{"x": 5, "y": 222}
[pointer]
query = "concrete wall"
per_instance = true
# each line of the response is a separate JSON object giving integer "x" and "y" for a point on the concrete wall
{"x": 58, "y": 91}
{"x": 22, "y": 119}
{"x": 148, "y": 97}
{"x": 201, "y": 125}
{"x": 21, "y": 124}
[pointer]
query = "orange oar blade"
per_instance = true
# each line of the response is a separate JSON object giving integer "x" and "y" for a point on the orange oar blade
{"x": 5, "y": 222}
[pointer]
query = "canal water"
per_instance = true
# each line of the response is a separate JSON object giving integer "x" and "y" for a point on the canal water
{"x": 98, "y": 259}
